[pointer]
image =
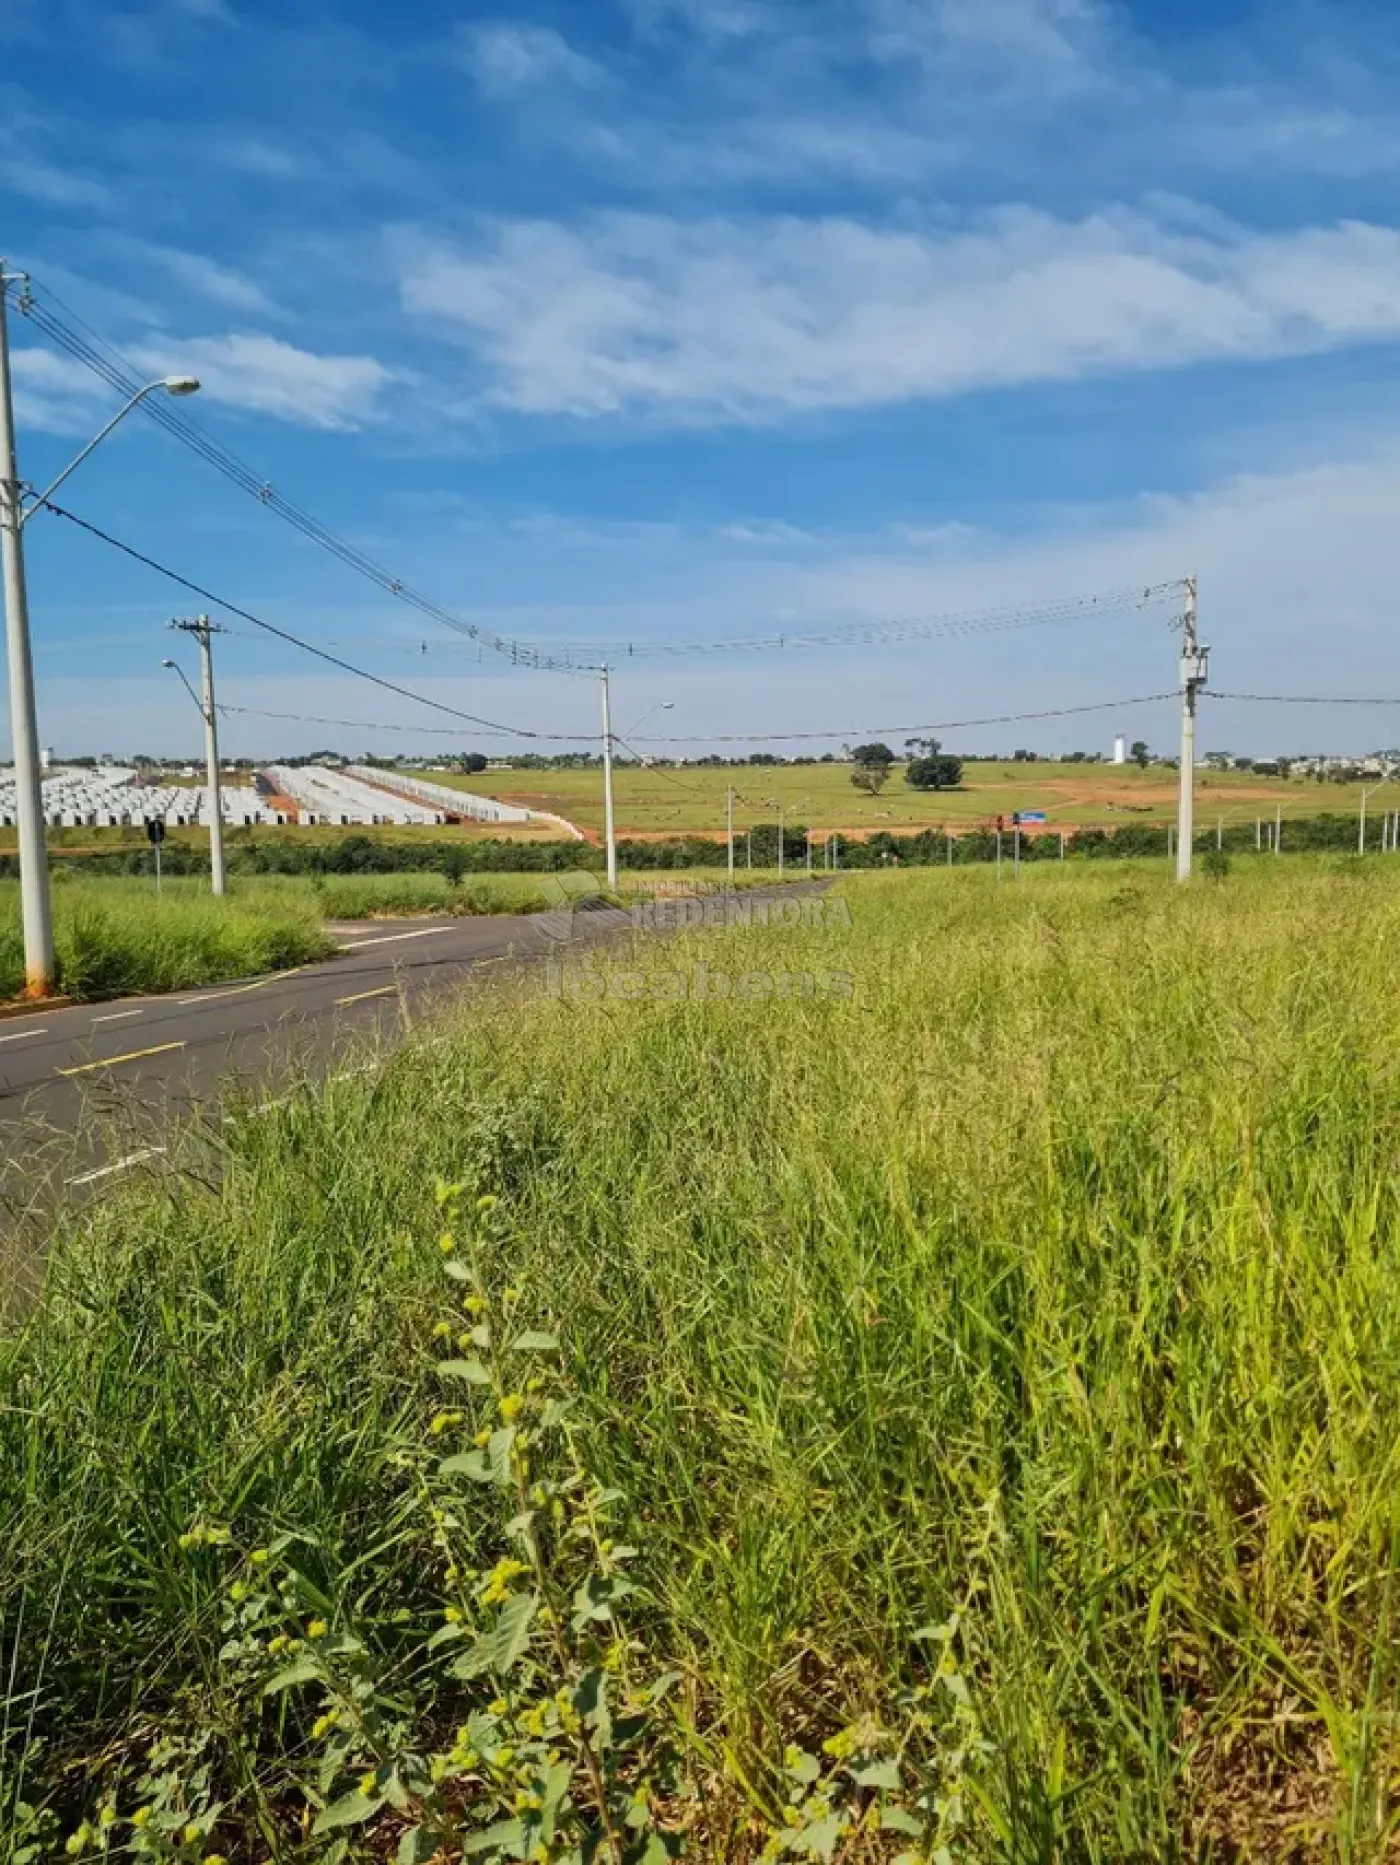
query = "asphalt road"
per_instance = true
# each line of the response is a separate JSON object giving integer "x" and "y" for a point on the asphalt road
{"x": 91, "y": 1091}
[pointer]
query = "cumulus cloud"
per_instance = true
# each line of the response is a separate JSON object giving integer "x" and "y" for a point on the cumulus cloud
{"x": 504, "y": 57}
{"x": 268, "y": 376}
{"x": 749, "y": 320}
{"x": 53, "y": 394}
{"x": 211, "y": 279}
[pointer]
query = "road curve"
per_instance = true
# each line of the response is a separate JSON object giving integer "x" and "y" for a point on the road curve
{"x": 89, "y": 1091}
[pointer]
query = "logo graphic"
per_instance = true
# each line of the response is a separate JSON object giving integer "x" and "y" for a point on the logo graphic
{"x": 565, "y": 893}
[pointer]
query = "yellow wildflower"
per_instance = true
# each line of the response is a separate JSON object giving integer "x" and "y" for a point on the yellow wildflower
{"x": 317, "y": 1629}
{"x": 511, "y": 1406}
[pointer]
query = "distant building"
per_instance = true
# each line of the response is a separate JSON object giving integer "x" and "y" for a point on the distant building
{"x": 1120, "y": 749}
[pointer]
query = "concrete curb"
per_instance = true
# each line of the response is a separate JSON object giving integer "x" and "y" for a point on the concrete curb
{"x": 34, "y": 1007}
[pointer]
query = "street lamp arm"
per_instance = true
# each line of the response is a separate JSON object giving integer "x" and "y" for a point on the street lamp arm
{"x": 177, "y": 668}
{"x": 173, "y": 385}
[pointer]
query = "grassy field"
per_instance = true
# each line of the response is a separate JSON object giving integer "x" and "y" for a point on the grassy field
{"x": 959, "y": 1411}
{"x": 656, "y": 802}
{"x": 115, "y": 937}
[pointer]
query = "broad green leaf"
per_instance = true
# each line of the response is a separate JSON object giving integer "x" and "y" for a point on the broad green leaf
{"x": 445, "y": 1635}
{"x": 457, "y": 1269}
{"x": 819, "y": 1840}
{"x": 877, "y": 1774}
{"x": 533, "y": 1341}
{"x": 501, "y": 1647}
{"x": 415, "y": 1847}
{"x": 513, "y": 1628}
{"x": 302, "y": 1672}
{"x": 350, "y": 1810}
{"x": 498, "y": 1450}
{"x": 474, "y": 1371}
{"x": 468, "y": 1463}
{"x": 505, "y": 1836}
{"x": 896, "y": 1820}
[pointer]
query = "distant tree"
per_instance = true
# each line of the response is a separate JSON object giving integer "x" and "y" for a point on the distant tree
{"x": 1141, "y": 756}
{"x": 474, "y": 761}
{"x": 872, "y": 767}
{"x": 937, "y": 772}
{"x": 764, "y": 757}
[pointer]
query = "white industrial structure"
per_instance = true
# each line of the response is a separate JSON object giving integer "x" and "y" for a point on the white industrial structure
{"x": 1120, "y": 749}
{"x": 115, "y": 797}
{"x": 111, "y": 798}
{"x": 439, "y": 797}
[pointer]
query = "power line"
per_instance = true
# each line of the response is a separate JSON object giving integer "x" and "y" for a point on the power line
{"x": 906, "y": 628}
{"x": 1299, "y": 699}
{"x": 493, "y": 726}
{"x": 113, "y": 368}
{"x": 911, "y": 731}
{"x": 85, "y": 345}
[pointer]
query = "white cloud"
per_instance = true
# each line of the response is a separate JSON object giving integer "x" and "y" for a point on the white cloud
{"x": 53, "y": 394}
{"x": 263, "y": 374}
{"x": 505, "y": 57}
{"x": 1031, "y": 30}
{"x": 210, "y": 279}
{"x": 45, "y": 182}
{"x": 709, "y": 19}
{"x": 750, "y": 320}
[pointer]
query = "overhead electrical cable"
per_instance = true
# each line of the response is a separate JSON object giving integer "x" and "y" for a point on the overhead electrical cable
{"x": 494, "y": 726}
{"x": 65, "y": 328}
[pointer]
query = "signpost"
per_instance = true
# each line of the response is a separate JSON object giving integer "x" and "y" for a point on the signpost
{"x": 155, "y": 835}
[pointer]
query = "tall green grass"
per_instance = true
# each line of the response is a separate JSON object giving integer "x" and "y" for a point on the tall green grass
{"x": 1049, "y": 1282}
{"x": 115, "y": 937}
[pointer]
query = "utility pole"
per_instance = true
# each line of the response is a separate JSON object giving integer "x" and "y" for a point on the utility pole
{"x": 40, "y": 970}
{"x": 1278, "y": 829}
{"x": 202, "y": 629}
{"x": 729, "y": 828}
{"x": 780, "y": 841}
{"x": 609, "y": 829}
{"x": 1193, "y": 678}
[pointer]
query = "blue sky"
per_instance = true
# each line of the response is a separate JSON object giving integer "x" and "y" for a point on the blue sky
{"x": 650, "y": 319}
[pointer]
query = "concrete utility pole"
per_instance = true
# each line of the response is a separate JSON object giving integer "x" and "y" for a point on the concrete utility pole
{"x": 1278, "y": 829}
{"x": 202, "y": 629}
{"x": 729, "y": 828}
{"x": 609, "y": 828}
{"x": 1193, "y": 678}
{"x": 40, "y": 971}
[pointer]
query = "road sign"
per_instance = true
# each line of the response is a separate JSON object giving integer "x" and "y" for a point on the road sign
{"x": 155, "y": 831}
{"x": 1032, "y": 815}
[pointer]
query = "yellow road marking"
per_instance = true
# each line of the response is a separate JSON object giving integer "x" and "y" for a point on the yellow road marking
{"x": 136, "y": 1055}
{"x": 238, "y": 990}
{"x": 360, "y": 996}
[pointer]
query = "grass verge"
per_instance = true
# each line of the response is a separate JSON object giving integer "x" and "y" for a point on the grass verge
{"x": 117, "y": 938}
{"x": 998, "y": 1365}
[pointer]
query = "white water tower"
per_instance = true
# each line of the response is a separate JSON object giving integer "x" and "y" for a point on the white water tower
{"x": 46, "y": 758}
{"x": 1120, "y": 749}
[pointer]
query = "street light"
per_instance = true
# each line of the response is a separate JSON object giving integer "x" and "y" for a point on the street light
{"x": 35, "y": 906}
{"x": 172, "y": 385}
